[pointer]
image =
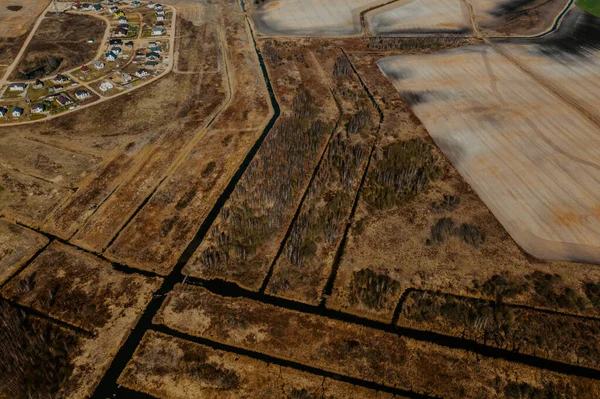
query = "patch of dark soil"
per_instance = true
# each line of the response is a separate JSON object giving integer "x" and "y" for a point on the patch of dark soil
{"x": 39, "y": 67}
{"x": 14, "y": 8}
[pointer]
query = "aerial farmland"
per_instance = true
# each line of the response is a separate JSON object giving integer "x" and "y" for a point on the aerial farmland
{"x": 299, "y": 199}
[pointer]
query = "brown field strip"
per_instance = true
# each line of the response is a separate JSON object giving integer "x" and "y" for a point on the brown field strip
{"x": 182, "y": 202}
{"x": 169, "y": 367}
{"x": 353, "y": 350}
{"x": 17, "y": 246}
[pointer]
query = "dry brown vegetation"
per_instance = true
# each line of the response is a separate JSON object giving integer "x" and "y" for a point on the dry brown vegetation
{"x": 17, "y": 245}
{"x": 308, "y": 253}
{"x": 60, "y": 44}
{"x": 356, "y": 351}
{"x": 168, "y": 367}
{"x": 429, "y": 243}
{"x": 181, "y": 203}
{"x": 244, "y": 240}
{"x": 555, "y": 336}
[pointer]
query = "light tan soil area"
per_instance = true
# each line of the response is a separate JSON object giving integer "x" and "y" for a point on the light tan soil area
{"x": 17, "y": 245}
{"x": 351, "y": 350}
{"x": 516, "y": 17}
{"x": 184, "y": 199}
{"x": 82, "y": 290}
{"x": 28, "y": 199}
{"x": 62, "y": 167}
{"x": 496, "y": 111}
{"x": 419, "y": 17}
{"x": 17, "y": 23}
{"x": 63, "y": 40}
{"x": 558, "y": 337}
{"x": 311, "y": 17}
{"x": 244, "y": 240}
{"x": 306, "y": 261}
{"x": 171, "y": 368}
{"x": 391, "y": 248}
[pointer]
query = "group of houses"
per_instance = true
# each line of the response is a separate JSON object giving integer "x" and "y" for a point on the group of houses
{"x": 87, "y": 7}
{"x": 16, "y": 112}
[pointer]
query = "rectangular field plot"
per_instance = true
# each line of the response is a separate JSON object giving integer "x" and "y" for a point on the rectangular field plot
{"x": 353, "y": 350}
{"x": 28, "y": 199}
{"x": 245, "y": 238}
{"x": 554, "y": 336}
{"x": 17, "y": 245}
{"x": 171, "y": 368}
{"x": 79, "y": 289}
{"x": 482, "y": 110}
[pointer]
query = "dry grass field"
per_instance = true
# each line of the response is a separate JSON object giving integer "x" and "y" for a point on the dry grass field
{"x": 60, "y": 44}
{"x": 18, "y": 16}
{"x": 314, "y": 217}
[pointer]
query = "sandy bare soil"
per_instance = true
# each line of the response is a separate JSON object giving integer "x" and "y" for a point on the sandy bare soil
{"x": 16, "y": 23}
{"x": 311, "y": 17}
{"x": 419, "y": 17}
{"x": 483, "y": 112}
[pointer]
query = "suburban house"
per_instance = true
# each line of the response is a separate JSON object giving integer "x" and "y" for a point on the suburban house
{"x": 135, "y": 4}
{"x": 63, "y": 100}
{"x": 160, "y": 17}
{"x": 155, "y": 49}
{"x": 17, "y": 86}
{"x": 105, "y": 86}
{"x": 157, "y": 31}
{"x": 117, "y": 50}
{"x": 85, "y": 69}
{"x": 120, "y": 31}
{"x": 151, "y": 4}
{"x": 151, "y": 64}
{"x": 115, "y": 42}
{"x": 97, "y": 7}
{"x": 126, "y": 78}
{"x": 17, "y": 112}
{"x": 160, "y": 23}
{"x": 38, "y": 108}
{"x": 110, "y": 56}
{"x": 60, "y": 79}
{"x": 98, "y": 64}
{"x": 123, "y": 20}
{"x": 87, "y": 7}
{"x": 152, "y": 56}
{"x": 38, "y": 84}
{"x": 129, "y": 44}
{"x": 90, "y": 40}
{"x": 82, "y": 94}
{"x": 142, "y": 72}
{"x": 158, "y": 6}
{"x": 3, "y": 111}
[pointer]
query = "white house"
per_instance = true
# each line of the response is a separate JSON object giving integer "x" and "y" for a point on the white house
{"x": 38, "y": 108}
{"x": 158, "y": 31}
{"x": 98, "y": 64}
{"x": 105, "y": 86}
{"x": 151, "y": 5}
{"x": 160, "y": 17}
{"x": 17, "y": 112}
{"x": 17, "y": 86}
{"x": 135, "y": 4}
{"x": 3, "y": 111}
{"x": 126, "y": 78}
{"x": 60, "y": 79}
{"x": 117, "y": 50}
{"x": 82, "y": 94}
{"x": 141, "y": 73}
{"x": 110, "y": 56}
{"x": 123, "y": 20}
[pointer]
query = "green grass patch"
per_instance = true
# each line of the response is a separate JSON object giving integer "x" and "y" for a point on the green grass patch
{"x": 591, "y": 6}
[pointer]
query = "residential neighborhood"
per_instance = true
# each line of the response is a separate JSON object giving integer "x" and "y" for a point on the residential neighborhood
{"x": 137, "y": 49}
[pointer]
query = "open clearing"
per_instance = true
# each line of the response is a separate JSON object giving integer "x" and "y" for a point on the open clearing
{"x": 484, "y": 111}
{"x": 18, "y": 22}
{"x": 419, "y": 17}
{"x": 17, "y": 245}
{"x": 311, "y": 17}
